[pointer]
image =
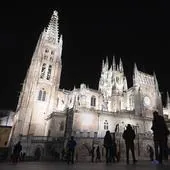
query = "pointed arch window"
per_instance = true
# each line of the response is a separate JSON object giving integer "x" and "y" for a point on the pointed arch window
{"x": 42, "y": 95}
{"x": 93, "y": 101}
{"x": 46, "y": 50}
{"x": 49, "y": 72}
{"x": 43, "y": 71}
{"x": 39, "y": 95}
{"x": 106, "y": 126}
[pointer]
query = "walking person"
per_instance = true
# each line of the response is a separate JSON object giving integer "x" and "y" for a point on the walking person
{"x": 129, "y": 136}
{"x": 108, "y": 142}
{"x": 160, "y": 133}
{"x": 70, "y": 150}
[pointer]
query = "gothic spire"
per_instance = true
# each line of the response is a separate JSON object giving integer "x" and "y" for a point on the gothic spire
{"x": 107, "y": 63}
{"x": 120, "y": 66}
{"x": 135, "y": 71}
{"x": 52, "y": 29}
{"x": 114, "y": 63}
{"x": 125, "y": 87}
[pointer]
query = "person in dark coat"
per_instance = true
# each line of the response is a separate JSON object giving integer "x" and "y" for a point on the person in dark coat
{"x": 108, "y": 146}
{"x": 160, "y": 133}
{"x": 71, "y": 144}
{"x": 16, "y": 152}
{"x": 129, "y": 136}
{"x": 92, "y": 153}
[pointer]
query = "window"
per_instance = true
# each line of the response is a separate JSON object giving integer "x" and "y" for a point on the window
{"x": 39, "y": 95}
{"x": 93, "y": 101}
{"x": 49, "y": 72}
{"x": 46, "y": 50}
{"x": 106, "y": 125}
{"x": 42, "y": 95}
{"x": 43, "y": 71}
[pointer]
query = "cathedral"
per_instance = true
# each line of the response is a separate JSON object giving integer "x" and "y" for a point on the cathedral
{"x": 45, "y": 110}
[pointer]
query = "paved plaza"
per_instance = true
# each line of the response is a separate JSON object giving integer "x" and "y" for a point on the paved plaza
{"x": 141, "y": 165}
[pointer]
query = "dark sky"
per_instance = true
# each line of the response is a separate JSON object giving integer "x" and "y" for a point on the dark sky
{"x": 134, "y": 33}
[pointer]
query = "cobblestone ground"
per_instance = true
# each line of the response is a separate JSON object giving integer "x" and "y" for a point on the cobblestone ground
{"x": 141, "y": 165}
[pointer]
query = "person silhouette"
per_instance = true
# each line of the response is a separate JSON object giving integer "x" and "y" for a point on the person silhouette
{"x": 160, "y": 133}
{"x": 108, "y": 146}
{"x": 71, "y": 144}
{"x": 16, "y": 152}
{"x": 129, "y": 136}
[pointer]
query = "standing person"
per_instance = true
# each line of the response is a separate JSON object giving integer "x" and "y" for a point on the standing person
{"x": 98, "y": 155}
{"x": 108, "y": 145}
{"x": 115, "y": 156}
{"x": 71, "y": 149}
{"x": 160, "y": 133}
{"x": 166, "y": 147}
{"x": 129, "y": 136}
{"x": 16, "y": 152}
{"x": 92, "y": 153}
{"x": 150, "y": 151}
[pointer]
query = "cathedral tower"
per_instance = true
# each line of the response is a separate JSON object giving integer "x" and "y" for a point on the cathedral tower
{"x": 38, "y": 94}
{"x": 112, "y": 84}
{"x": 147, "y": 96}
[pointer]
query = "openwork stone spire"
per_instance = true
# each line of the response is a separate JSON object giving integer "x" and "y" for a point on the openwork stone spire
{"x": 52, "y": 29}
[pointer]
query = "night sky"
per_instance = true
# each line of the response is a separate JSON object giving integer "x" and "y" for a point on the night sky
{"x": 136, "y": 34}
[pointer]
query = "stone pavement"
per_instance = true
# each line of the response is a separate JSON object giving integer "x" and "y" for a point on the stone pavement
{"x": 141, "y": 165}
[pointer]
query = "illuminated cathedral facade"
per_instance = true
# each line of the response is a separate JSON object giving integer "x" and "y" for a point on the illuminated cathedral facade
{"x": 46, "y": 110}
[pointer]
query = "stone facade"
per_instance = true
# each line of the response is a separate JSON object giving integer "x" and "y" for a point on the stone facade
{"x": 45, "y": 110}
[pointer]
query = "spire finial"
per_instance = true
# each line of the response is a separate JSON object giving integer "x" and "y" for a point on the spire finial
{"x": 52, "y": 29}
{"x": 120, "y": 66}
{"x": 114, "y": 63}
{"x": 107, "y": 63}
{"x": 135, "y": 71}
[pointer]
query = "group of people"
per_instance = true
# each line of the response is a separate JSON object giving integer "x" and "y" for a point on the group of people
{"x": 112, "y": 154}
{"x": 111, "y": 148}
{"x": 160, "y": 138}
